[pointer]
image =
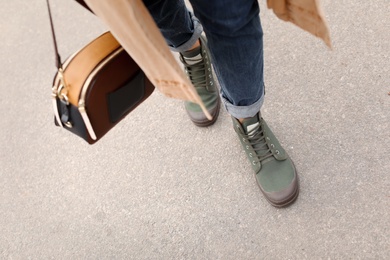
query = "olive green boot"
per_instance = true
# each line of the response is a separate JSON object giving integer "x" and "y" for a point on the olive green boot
{"x": 274, "y": 170}
{"x": 198, "y": 68}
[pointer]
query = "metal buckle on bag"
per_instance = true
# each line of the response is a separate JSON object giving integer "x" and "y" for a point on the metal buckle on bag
{"x": 62, "y": 94}
{"x": 54, "y": 96}
{"x": 62, "y": 91}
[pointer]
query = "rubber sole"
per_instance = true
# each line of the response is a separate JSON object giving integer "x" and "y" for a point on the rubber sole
{"x": 287, "y": 201}
{"x": 284, "y": 203}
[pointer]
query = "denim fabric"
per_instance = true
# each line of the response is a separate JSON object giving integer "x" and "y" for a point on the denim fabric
{"x": 235, "y": 40}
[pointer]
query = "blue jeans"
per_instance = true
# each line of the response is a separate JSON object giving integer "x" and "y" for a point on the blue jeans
{"x": 235, "y": 40}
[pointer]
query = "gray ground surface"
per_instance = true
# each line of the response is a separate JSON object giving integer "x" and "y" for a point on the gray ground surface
{"x": 157, "y": 187}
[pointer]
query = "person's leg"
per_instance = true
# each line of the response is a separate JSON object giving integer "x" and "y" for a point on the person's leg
{"x": 179, "y": 28}
{"x": 235, "y": 40}
{"x": 182, "y": 32}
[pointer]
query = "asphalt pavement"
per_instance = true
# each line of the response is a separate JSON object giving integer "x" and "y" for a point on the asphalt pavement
{"x": 158, "y": 187}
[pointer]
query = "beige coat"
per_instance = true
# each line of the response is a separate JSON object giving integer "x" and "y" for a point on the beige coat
{"x": 131, "y": 24}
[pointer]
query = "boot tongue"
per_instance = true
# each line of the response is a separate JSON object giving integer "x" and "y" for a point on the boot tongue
{"x": 192, "y": 53}
{"x": 194, "y": 64}
{"x": 256, "y": 138}
{"x": 250, "y": 123}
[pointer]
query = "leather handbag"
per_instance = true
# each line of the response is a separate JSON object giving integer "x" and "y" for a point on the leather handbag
{"x": 96, "y": 87}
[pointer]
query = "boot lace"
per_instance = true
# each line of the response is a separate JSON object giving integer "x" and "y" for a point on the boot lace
{"x": 257, "y": 139}
{"x": 196, "y": 72}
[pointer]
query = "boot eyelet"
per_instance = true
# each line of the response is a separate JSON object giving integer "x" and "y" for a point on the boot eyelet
{"x": 277, "y": 152}
{"x": 247, "y": 147}
{"x": 272, "y": 145}
{"x": 253, "y": 162}
{"x": 250, "y": 155}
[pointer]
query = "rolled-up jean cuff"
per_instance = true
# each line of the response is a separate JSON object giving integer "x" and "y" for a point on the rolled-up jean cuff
{"x": 243, "y": 111}
{"x": 198, "y": 29}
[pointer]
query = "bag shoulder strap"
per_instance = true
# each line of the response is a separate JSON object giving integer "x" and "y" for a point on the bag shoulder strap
{"x": 84, "y": 5}
{"x": 57, "y": 55}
